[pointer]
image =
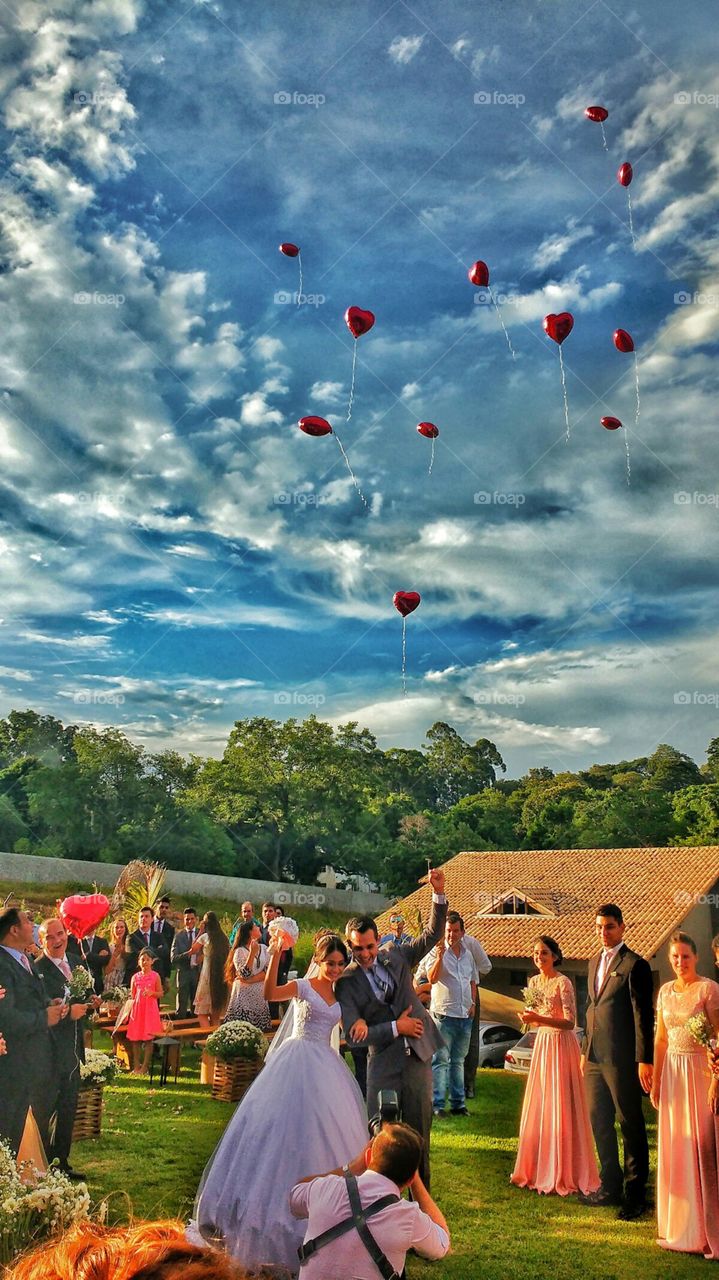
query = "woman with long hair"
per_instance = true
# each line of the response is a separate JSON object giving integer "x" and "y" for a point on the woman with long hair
{"x": 212, "y": 988}
{"x": 317, "y": 1116}
{"x": 114, "y": 975}
{"x": 245, "y": 968}
{"x": 556, "y": 1149}
{"x": 686, "y": 1096}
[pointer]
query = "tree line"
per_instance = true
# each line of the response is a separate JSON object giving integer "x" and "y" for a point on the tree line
{"x": 288, "y": 798}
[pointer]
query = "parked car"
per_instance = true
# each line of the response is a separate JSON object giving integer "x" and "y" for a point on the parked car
{"x": 494, "y": 1040}
{"x": 519, "y": 1056}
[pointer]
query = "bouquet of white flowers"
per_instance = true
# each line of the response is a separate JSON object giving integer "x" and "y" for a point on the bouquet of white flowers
{"x": 533, "y": 1000}
{"x": 701, "y": 1029}
{"x": 116, "y": 995}
{"x": 81, "y": 986}
{"x": 31, "y": 1212}
{"x": 286, "y": 928}
{"x": 98, "y": 1068}
{"x": 236, "y": 1040}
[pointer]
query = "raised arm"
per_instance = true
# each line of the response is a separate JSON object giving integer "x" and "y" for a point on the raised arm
{"x": 435, "y": 929}
{"x": 271, "y": 990}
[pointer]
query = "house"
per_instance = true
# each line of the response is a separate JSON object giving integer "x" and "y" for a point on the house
{"x": 508, "y": 898}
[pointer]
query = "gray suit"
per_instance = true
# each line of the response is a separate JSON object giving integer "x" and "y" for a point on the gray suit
{"x": 393, "y": 1062}
{"x": 188, "y": 975}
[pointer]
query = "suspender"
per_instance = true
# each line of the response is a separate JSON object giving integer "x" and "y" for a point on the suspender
{"x": 357, "y": 1222}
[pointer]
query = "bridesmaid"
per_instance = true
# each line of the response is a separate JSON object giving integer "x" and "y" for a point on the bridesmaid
{"x": 686, "y": 1097}
{"x": 556, "y": 1149}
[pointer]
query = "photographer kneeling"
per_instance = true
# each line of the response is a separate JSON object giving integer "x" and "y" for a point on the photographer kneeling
{"x": 340, "y": 1204}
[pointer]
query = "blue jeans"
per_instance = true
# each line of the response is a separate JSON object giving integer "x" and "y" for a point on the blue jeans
{"x": 449, "y": 1060}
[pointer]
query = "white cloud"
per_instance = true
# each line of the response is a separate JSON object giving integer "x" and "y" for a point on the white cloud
{"x": 404, "y": 48}
{"x": 328, "y": 392}
{"x": 557, "y": 244}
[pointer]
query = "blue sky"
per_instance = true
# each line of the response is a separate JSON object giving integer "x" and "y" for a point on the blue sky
{"x": 176, "y": 554}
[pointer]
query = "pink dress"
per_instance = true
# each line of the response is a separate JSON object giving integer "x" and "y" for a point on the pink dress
{"x": 145, "y": 1022}
{"x": 687, "y": 1156}
{"x": 556, "y": 1148}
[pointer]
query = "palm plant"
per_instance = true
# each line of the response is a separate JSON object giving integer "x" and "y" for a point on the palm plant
{"x": 140, "y": 884}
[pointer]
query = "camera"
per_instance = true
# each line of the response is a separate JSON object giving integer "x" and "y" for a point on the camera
{"x": 388, "y": 1111}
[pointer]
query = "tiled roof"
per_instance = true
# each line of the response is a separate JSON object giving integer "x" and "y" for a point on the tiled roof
{"x": 656, "y": 889}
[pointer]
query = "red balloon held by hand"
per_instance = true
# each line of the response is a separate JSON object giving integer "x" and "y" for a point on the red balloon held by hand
{"x": 597, "y": 114}
{"x": 289, "y": 250}
{"x": 479, "y": 274}
{"x": 358, "y": 321}
{"x": 611, "y": 424}
{"x": 623, "y": 341}
{"x": 428, "y": 429}
{"x": 625, "y": 173}
{"x": 406, "y": 601}
{"x": 81, "y": 913}
{"x": 313, "y": 426}
{"x": 558, "y": 327}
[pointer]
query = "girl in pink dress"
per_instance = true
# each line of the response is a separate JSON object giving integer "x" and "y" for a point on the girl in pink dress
{"x": 145, "y": 1022}
{"x": 556, "y": 1149}
{"x": 686, "y": 1097}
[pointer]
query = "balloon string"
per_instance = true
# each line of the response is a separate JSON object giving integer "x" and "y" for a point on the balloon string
{"x": 631, "y": 220}
{"x": 638, "y": 409}
{"x": 349, "y": 468}
{"x": 501, "y": 321}
{"x": 352, "y": 388}
{"x": 299, "y": 295}
{"x": 431, "y": 459}
{"x": 404, "y": 656}
{"x": 629, "y": 465}
{"x": 564, "y": 393}
{"x": 604, "y": 136}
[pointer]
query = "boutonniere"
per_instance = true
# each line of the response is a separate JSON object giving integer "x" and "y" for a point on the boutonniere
{"x": 382, "y": 960}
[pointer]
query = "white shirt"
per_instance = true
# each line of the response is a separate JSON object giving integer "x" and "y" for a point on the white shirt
{"x": 481, "y": 959}
{"x": 396, "y": 1229}
{"x": 59, "y": 961}
{"x": 452, "y": 992}
{"x": 605, "y": 963}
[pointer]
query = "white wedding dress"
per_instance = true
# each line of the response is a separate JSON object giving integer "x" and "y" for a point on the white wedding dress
{"x": 304, "y": 1114}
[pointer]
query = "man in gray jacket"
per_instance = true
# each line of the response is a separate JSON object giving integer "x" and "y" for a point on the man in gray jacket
{"x": 380, "y": 1008}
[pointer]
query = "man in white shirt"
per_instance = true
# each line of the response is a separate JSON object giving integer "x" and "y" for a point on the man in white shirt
{"x": 471, "y": 1062}
{"x": 388, "y": 1165}
{"x": 451, "y": 969}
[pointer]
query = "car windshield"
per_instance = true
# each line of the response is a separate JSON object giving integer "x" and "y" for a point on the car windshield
{"x": 527, "y": 1040}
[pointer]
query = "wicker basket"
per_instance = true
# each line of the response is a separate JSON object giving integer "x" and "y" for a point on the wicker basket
{"x": 231, "y": 1080}
{"x": 88, "y": 1117}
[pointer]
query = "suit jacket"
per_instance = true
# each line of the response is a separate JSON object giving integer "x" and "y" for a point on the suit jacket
{"x": 358, "y": 999}
{"x": 620, "y": 1019}
{"x": 134, "y": 944}
{"x": 67, "y": 1038}
{"x": 162, "y": 943}
{"x": 180, "y": 945}
{"x": 95, "y": 957}
{"x": 23, "y": 1022}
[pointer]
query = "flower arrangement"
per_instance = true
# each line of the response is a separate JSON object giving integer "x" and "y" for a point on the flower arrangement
{"x": 116, "y": 995}
{"x": 81, "y": 985}
{"x": 286, "y": 928}
{"x": 236, "y": 1039}
{"x": 701, "y": 1029}
{"x": 533, "y": 1000}
{"x": 32, "y": 1211}
{"x": 98, "y": 1068}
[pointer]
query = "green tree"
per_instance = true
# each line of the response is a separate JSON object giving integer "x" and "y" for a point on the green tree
{"x": 696, "y": 813}
{"x": 457, "y": 768}
{"x": 26, "y": 733}
{"x": 621, "y": 818}
{"x": 670, "y": 770}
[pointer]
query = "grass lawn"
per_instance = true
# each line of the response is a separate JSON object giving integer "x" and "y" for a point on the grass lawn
{"x": 155, "y": 1143}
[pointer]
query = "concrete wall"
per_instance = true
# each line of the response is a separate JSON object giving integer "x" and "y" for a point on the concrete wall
{"x": 29, "y": 869}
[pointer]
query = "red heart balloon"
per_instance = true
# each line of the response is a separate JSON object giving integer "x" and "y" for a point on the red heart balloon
{"x": 81, "y": 913}
{"x": 428, "y": 429}
{"x": 358, "y": 321}
{"x": 625, "y": 173}
{"x": 597, "y": 114}
{"x": 623, "y": 341}
{"x": 611, "y": 424}
{"x": 289, "y": 250}
{"x": 479, "y": 274}
{"x": 558, "y": 327}
{"x": 315, "y": 426}
{"x": 406, "y": 601}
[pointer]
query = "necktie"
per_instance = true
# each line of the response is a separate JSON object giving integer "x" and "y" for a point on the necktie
{"x": 383, "y": 980}
{"x": 602, "y": 970}
{"x": 25, "y": 962}
{"x": 65, "y": 969}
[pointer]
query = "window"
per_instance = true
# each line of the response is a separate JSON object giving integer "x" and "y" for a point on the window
{"x": 514, "y": 903}
{"x": 500, "y": 1035}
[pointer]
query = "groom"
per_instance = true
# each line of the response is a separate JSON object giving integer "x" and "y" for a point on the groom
{"x": 376, "y": 990}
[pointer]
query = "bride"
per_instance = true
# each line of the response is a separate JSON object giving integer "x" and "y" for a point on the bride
{"x": 303, "y": 1114}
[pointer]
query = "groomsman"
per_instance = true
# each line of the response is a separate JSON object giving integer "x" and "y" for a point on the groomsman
{"x": 28, "y": 1074}
{"x": 162, "y": 935}
{"x": 617, "y": 1057}
{"x": 187, "y": 965}
{"x": 142, "y": 937}
{"x": 67, "y": 1040}
{"x": 95, "y": 953}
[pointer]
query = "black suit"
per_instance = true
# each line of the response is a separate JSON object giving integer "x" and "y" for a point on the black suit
{"x": 163, "y": 934}
{"x": 95, "y": 953}
{"x": 136, "y": 943}
{"x": 68, "y": 1049}
{"x": 27, "y": 1070}
{"x": 619, "y": 1034}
